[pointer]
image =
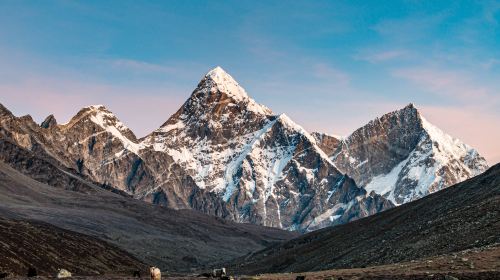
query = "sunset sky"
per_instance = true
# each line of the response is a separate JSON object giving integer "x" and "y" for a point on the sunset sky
{"x": 329, "y": 65}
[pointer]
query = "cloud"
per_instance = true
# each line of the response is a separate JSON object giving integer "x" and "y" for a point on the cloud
{"x": 326, "y": 72}
{"x": 141, "y": 66}
{"x": 490, "y": 63}
{"x": 383, "y": 56}
{"x": 491, "y": 10}
{"x": 443, "y": 82}
{"x": 408, "y": 29}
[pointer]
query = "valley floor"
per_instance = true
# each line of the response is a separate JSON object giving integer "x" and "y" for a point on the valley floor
{"x": 479, "y": 263}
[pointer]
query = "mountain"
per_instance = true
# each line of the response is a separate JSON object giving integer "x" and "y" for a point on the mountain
{"x": 458, "y": 218}
{"x": 264, "y": 167}
{"x": 402, "y": 156}
{"x": 36, "y": 188}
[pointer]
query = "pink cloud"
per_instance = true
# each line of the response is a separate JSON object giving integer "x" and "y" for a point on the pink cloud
{"x": 444, "y": 82}
{"x": 327, "y": 72}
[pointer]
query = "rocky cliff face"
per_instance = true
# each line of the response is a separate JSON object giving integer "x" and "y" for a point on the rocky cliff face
{"x": 402, "y": 156}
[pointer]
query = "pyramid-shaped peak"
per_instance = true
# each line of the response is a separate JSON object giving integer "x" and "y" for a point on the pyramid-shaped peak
{"x": 219, "y": 80}
{"x": 219, "y": 75}
{"x": 217, "y": 71}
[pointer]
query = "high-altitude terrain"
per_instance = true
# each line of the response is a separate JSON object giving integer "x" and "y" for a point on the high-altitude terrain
{"x": 402, "y": 156}
{"x": 224, "y": 154}
{"x": 36, "y": 189}
{"x": 464, "y": 216}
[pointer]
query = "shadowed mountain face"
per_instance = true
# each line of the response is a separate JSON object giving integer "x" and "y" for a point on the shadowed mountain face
{"x": 460, "y": 217}
{"x": 222, "y": 154}
{"x": 402, "y": 156}
{"x": 48, "y": 248}
{"x": 176, "y": 240}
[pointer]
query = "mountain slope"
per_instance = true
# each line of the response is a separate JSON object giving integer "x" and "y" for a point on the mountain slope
{"x": 177, "y": 240}
{"x": 94, "y": 143}
{"x": 402, "y": 156}
{"x": 466, "y": 215}
{"x": 22, "y": 241}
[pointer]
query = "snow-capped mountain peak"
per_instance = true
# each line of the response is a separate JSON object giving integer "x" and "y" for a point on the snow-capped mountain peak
{"x": 218, "y": 110}
{"x": 402, "y": 156}
{"x": 106, "y": 121}
{"x": 446, "y": 143}
{"x": 220, "y": 80}
{"x": 220, "y": 87}
{"x": 97, "y": 107}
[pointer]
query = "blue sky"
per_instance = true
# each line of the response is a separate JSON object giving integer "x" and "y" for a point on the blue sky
{"x": 330, "y": 65}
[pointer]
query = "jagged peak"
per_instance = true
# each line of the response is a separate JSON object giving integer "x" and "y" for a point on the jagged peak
{"x": 27, "y": 117}
{"x": 218, "y": 79}
{"x": 50, "y": 121}
{"x": 104, "y": 118}
{"x": 93, "y": 110}
{"x": 218, "y": 89}
{"x": 4, "y": 111}
{"x": 410, "y": 108}
{"x": 98, "y": 107}
{"x": 409, "y": 116}
{"x": 87, "y": 111}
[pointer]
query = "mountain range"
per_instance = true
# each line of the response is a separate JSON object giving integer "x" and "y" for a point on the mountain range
{"x": 225, "y": 155}
{"x": 42, "y": 202}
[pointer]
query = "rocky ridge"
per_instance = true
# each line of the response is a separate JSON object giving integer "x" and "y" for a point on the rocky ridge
{"x": 402, "y": 156}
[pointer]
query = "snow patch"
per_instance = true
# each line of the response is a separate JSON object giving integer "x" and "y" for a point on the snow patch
{"x": 110, "y": 123}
